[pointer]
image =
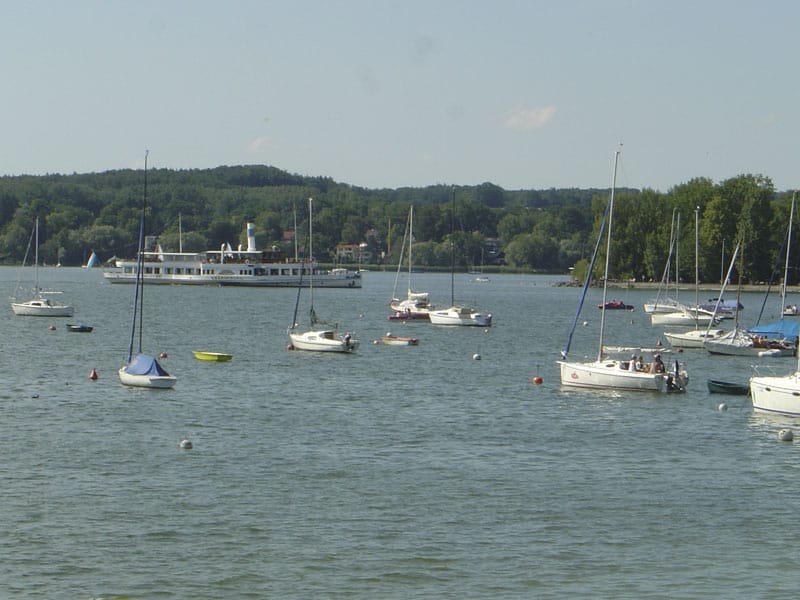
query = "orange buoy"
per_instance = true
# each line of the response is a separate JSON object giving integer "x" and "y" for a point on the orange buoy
{"x": 93, "y": 374}
{"x": 537, "y": 379}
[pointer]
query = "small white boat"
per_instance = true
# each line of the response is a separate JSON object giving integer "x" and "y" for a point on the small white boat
{"x": 398, "y": 340}
{"x": 459, "y": 315}
{"x": 325, "y": 340}
{"x": 316, "y": 339}
{"x": 39, "y": 306}
{"x": 145, "y": 371}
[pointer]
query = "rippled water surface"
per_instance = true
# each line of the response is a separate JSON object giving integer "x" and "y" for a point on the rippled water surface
{"x": 398, "y": 472}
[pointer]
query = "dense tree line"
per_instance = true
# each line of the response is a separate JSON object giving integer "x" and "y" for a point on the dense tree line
{"x": 540, "y": 230}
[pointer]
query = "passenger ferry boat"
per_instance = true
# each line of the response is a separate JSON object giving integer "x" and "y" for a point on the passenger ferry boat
{"x": 250, "y": 267}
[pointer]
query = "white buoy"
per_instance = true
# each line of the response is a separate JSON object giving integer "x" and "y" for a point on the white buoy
{"x": 722, "y": 406}
{"x": 785, "y": 435}
{"x": 186, "y": 444}
{"x": 476, "y": 356}
{"x": 585, "y": 323}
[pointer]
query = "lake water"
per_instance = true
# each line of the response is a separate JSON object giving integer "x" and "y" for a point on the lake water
{"x": 396, "y": 472}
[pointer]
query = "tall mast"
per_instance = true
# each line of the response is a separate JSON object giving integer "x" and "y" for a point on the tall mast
{"x": 608, "y": 255}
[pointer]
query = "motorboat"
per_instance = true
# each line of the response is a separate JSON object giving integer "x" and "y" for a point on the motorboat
{"x": 79, "y": 328}
{"x": 615, "y": 305}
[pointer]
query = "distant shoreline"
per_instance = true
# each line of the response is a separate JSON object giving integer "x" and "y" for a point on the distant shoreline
{"x": 704, "y": 287}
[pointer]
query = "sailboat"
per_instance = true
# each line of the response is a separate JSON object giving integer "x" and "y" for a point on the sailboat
{"x": 142, "y": 370}
{"x": 315, "y": 339}
{"x": 416, "y": 305}
{"x": 771, "y": 339}
{"x": 39, "y": 306}
{"x": 696, "y": 337}
{"x": 679, "y": 313}
{"x": 606, "y": 372}
{"x": 93, "y": 260}
{"x": 457, "y": 314}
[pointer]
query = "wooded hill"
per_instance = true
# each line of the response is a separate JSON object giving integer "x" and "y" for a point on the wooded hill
{"x": 539, "y": 230}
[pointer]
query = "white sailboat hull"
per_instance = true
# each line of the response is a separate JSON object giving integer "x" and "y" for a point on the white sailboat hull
{"x": 41, "y": 308}
{"x": 693, "y": 339}
{"x": 776, "y": 395}
{"x": 682, "y": 318}
{"x": 146, "y": 381}
{"x": 459, "y": 315}
{"x": 739, "y": 343}
{"x": 610, "y": 374}
{"x": 322, "y": 341}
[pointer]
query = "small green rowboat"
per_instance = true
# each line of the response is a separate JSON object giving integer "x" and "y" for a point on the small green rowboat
{"x": 211, "y": 356}
{"x": 715, "y": 386}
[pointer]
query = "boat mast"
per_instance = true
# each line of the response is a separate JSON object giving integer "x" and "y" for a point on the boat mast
{"x": 452, "y": 248}
{"x": 311, "y": 257}
{"x": 788, "y": 247}
{"x": 294, "y": 211}
{"x": 608, "y": 255}
{"x": 138, "y": 296}
{"x": 696, "y": 268}
{"x": 410, "y": 244}
{"x": 36, "y": 261}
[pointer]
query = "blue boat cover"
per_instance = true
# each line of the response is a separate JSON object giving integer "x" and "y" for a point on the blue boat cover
{"x": 785, "y": 328}
{"x": 144, "y": 364}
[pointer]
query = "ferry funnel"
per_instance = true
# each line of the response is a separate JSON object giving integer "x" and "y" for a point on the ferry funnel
{"x": 251, "y": 237}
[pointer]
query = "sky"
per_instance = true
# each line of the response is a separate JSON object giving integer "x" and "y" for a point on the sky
{"x": 524, "y": 94}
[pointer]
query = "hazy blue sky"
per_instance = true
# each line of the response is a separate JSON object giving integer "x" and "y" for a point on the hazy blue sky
{"x": 379, "y": 93}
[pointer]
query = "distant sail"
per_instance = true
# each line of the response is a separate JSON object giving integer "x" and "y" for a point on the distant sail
{"x": 92, "y": 260}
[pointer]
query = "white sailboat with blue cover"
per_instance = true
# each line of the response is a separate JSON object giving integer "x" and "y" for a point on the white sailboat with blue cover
{"x": 141, "y": 369}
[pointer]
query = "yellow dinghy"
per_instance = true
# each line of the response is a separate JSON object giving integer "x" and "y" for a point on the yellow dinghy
{"x": 212, "y": 356}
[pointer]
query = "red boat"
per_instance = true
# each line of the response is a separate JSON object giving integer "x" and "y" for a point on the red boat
{"x": 616, "y": 305}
